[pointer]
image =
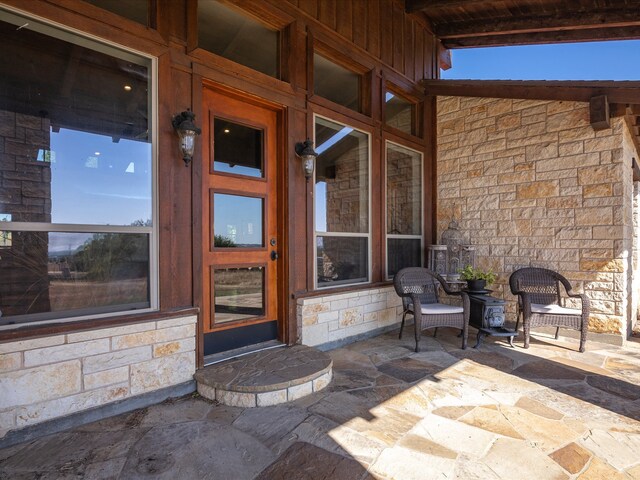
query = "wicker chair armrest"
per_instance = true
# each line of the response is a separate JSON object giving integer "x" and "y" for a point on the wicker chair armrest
{"x": 415, "y": 300}
{"x": 525, "y": 303}
{"x": 586, "y": 303}
{"x": 445, "y": 286}
{"x": 466, "y": 305}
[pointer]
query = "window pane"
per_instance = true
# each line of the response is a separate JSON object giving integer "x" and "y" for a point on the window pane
{"x": 336, "y": 83}
{"x": 401, "y": 253}
{"x": 342, "y": 178}
{"x": 136, "y": 10}
{"x": 404, "y": 191}
{"x": 43, "y": 274}
{"x": 238, "y": 149}
{"x": 237, "y": 221}
{"x": 230, "y": 34}
{"x": 399, "y": 113}
{"x": 342, "y": 260}
{"x": 76, "y": 137}
{"x": 238, "y": 293}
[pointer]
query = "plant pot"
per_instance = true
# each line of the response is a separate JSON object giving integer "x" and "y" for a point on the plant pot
{"x": 476, "y": 285}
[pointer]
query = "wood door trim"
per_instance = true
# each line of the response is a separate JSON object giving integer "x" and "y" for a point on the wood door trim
{"x": 268, "y": 116}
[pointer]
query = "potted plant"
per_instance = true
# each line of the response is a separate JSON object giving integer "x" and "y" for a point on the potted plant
{"x": 476, "y": 278}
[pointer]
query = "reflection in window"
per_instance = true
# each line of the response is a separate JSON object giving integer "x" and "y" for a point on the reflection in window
{"x": 137, "y": 10}
{"x": 237, "y": 221}
{"x": 238, "y": 293}
{"x": 341, "y": 203}
{"x": 77, "y": 158}
{"x": 401, "y": 253}
{"x": 237, "y": 149}
{"x": 341, "y": 260}
{"x": 44, "y": 275}
{"x": 336, "y": 83}
{"x": 399, "y": 113}
{"x": 404, "y": 208}
{"x": 233, "y": 35}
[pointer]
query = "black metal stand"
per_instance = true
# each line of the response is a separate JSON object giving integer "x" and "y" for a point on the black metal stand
{"x": 487, "y": 315}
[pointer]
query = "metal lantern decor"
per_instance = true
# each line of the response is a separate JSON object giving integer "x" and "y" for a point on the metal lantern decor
{"x": 187, "y": 132}
{"x": 452, "y": 255}
{"x": 308, "y": 156}
{"x": 453, "y": 238}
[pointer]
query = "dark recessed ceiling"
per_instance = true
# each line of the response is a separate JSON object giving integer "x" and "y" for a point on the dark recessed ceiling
{"x": 476, "y": 23}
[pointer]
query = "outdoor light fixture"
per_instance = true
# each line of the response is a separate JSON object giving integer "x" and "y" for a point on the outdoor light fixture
{"x": 308, "y": 155}
{"x": 187, "y": 131}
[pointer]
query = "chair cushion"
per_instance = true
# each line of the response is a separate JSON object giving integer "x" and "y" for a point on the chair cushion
{"x": 438, "y": 309}
{"x": 554, "y": 309}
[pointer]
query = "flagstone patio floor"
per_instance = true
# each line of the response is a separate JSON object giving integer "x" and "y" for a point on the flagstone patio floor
{"x": 548, "y": 412}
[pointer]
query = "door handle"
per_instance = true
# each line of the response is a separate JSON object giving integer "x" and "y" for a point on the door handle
{"x": 274, "y": 255}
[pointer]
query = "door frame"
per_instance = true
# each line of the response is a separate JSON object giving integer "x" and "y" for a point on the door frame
{"x": 198, "y": 229}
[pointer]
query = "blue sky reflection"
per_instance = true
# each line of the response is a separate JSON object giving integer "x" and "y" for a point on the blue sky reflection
{"x": 98, "y": 182}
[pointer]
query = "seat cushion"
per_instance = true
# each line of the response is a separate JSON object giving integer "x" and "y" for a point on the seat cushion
{"x": 554, "y": 309}
{"x": 438, "y": 309}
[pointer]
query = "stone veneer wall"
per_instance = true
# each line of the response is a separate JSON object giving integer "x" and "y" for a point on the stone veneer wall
{"x": 336, "y": 317}
{"x": 50, "y": 377}
{"x": 533, "y": 184}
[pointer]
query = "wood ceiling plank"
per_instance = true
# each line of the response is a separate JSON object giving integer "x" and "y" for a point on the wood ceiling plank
{"x": 533, "y": 24}
{"x": 616, "y": 92}
{"x": 559, "y": 36}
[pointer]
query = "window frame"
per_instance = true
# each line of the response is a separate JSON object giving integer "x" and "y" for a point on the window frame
{"x": 80, "y": 38}
{"x": 368, "y": 235}
{"x": 387, "y": 235}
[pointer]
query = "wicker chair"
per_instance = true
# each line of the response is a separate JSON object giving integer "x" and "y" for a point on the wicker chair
{"x": 418, "y": 288}
{"x": 540, "y": 303}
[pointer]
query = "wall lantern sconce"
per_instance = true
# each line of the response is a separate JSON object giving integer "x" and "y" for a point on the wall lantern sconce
{"x": 308, "y": 156}
{"x": 187, "y": 131}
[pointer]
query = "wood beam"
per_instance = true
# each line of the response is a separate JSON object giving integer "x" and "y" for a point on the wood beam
{"x": 534, "y": 24}
{"x": 558, "y": 36}
{"x": 412, "y": 6}
{"x": 616, "y": 92}
{"x": 636, "y": 170}
{"x": 599, "y": 112}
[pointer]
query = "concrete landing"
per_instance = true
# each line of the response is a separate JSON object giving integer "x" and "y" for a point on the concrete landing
{"x": 266, "y": 378}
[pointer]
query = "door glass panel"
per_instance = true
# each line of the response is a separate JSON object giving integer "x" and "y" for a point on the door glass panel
{"x": 237, "y": 221}
{"x": 237, "y": 149}
{"x": 238, "y": 293}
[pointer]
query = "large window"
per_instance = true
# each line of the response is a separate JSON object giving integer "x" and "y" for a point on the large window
{"x": 341, "y": 204}
{"x": 76, "y": 176}
{"x": 404, "y": 208}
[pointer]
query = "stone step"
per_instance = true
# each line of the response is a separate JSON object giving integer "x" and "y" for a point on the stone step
{"x": 266, "y": 378}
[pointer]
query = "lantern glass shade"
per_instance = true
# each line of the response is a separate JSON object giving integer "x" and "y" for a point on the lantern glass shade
{"x": 187, "y": 143}
{"x": 308, "y": 164}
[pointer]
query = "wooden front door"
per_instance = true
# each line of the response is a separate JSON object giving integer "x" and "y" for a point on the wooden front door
{"x": 240, "y": 244}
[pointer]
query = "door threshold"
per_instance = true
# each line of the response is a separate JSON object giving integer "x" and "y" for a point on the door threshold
{"x": 239, "y": 352}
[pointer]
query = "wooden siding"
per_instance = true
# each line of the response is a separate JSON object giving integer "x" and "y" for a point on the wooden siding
{"x": 385, "y": 43}
{"x": 380, "y": 27}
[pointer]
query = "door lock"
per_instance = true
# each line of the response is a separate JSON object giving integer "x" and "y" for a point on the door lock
{"x": 274, "y": 255}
